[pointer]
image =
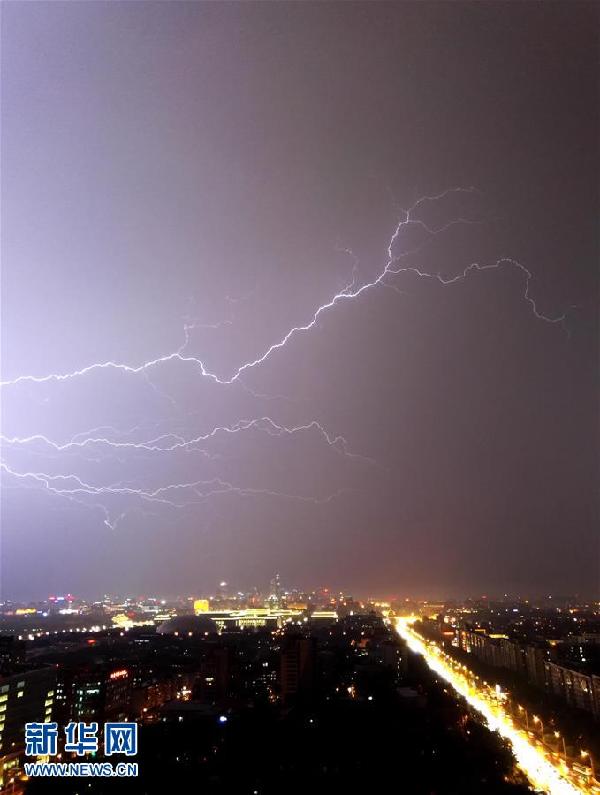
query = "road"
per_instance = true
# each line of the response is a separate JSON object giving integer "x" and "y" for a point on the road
{"x": 544, "y": 771}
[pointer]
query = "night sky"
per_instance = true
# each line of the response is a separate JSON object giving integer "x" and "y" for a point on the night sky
{"x": 193, "y": 181}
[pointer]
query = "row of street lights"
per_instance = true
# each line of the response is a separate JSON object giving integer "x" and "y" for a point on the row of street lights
{"x": 474, "y": 681}
{"x": 557, "y": 736}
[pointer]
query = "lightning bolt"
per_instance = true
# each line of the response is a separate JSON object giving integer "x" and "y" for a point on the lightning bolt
{"x": 72, "y": 487}
{"x": 178, "y": 495}
{"x": 349, "y": 293}
{"x": 264, "y": 424}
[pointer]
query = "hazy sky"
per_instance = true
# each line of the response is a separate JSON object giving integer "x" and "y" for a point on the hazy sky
{"x": 231, "y": 167}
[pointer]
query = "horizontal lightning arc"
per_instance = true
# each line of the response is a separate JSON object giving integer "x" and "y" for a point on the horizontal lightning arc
{"x": 215, "y": 486}
{"x": 263, "y": 424}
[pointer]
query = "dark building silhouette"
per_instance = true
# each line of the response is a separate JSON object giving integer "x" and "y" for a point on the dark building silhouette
{"x": 297, "y": 668}
{"x": 99, "y": 693}
{"x": 214, "y": 674}
{"x": 25, "y": 697}
{"x": 12, "y": 653}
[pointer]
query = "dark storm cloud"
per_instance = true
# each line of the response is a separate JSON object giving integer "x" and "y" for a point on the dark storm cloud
{"x": 208, "y": 164}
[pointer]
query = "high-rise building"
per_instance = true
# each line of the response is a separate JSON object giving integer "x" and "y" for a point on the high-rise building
{"x": 297, "y": 667}
{"x": 275, "y": 591}
{"x": 26, "y": 697}
{"x": 100, "y": 693}
{"x": 214, "y": 674}
{"x": 12, "y": 653}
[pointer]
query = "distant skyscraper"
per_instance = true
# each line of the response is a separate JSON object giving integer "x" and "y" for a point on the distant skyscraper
{"x": 275, "y": 591}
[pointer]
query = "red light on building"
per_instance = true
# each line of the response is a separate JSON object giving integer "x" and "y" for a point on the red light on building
{"x": 121, "y": 674}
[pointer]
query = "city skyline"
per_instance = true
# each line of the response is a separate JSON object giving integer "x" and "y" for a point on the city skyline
{"x": 259, "y": 590}
{"x": 510, "y": 686}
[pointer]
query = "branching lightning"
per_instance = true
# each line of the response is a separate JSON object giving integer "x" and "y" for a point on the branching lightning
{"x": 74, "y": 489}
{"x": 180, "y": 494}
{"x": 164, "y": 443}
{"x": 349, "y": 293}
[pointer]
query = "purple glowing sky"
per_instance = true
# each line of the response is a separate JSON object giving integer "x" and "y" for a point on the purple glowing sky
{"x": 184, "y": 184}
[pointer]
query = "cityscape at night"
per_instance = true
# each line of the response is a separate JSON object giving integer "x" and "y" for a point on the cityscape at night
{"x": 198, "y": 673}
{"x": 300, "y": 397}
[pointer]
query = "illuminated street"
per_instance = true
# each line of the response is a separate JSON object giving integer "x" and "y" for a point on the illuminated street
{"x": 533, "y": 759}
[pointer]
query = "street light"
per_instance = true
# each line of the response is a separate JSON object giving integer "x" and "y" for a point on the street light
{"x": 587, "y": 755}
{"x": 564, "y": 745}
{"x": 522, "y": 709}
{"x": 541, "y": 722}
